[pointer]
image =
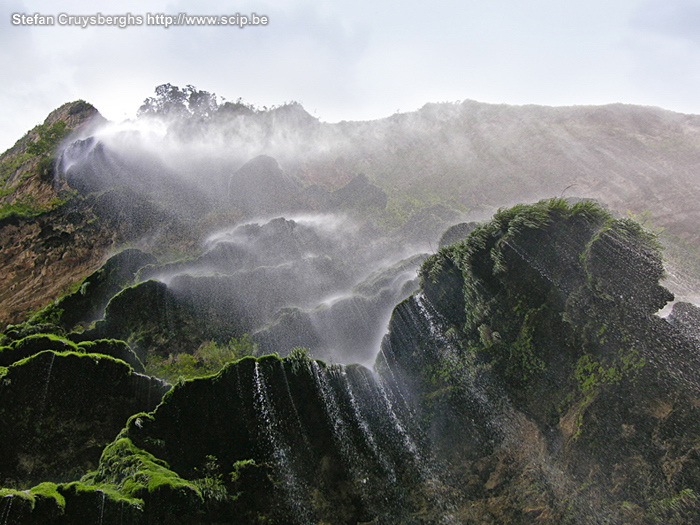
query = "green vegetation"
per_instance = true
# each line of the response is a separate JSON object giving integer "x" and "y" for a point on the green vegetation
{"x": 521, "y": 310}
{"x": 140, "y": 477}
{"x": 49, "y": 138}
{"x": 403, "y": 205}
{"x": 39, "y": 152}
{"x": 679, "y": 509}
{"x": 590, "y": 373}
{"x": 208, "y": 359}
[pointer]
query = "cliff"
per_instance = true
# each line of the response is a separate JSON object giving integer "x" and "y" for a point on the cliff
{"x": 529, "y": 380}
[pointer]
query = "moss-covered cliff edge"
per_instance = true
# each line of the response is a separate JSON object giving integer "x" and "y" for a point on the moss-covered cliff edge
{"x": 528, "y": 381}
{"x": 544, "y": 377}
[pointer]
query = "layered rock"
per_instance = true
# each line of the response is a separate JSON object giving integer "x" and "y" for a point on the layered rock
{"x": 60, "y": 409}
{"x": 545, "y": 376}
{"x": 529, "y": 380}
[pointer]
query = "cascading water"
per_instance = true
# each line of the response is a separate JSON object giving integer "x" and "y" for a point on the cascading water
{"x": 102, "y": 506}
{"x": 44, "y": 397}
{"x": 355, "y": 463}
{"x": 7, "y": 509}
{"x": 330, "y": 405}
{"x": 369, "y": 436}
{"x": 510, "y": 429}
{"x": 297, "y": 419}
{"x": 281, "y": 452}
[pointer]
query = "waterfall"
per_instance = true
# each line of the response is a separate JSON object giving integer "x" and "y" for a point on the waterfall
{"x": 42, "y": 406}
{"x": 102, "y": 506}
{"x": 8, "y": 508}
{"x": 355, "y": 462}
{"x": 367, "y": 432}
{"x": 295, "y": 490}
{"x": 510, "y": 429}
{"x": 399, "y": 428}
{"x": 297, "y": 419}
{"x": 333, "y": 413}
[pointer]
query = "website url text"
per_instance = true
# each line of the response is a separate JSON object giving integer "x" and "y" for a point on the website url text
{"x": 149, "y": 19}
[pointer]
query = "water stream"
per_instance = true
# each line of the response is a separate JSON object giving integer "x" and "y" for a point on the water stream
{"x": 296, "y": 492}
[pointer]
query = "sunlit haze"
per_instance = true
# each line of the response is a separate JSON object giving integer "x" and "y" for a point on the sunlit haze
{"x": 352, "y": 61}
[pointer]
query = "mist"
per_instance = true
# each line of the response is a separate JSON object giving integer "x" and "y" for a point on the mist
{"x": 252, "y": 255}
{"x": 260, "y": 227}
{"x": 301, "y": 233}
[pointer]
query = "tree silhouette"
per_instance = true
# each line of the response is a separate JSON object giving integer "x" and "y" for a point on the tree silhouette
{"x": 175, "y": 101}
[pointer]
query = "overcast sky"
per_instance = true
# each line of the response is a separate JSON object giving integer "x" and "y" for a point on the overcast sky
{"x": 355, "y": 60}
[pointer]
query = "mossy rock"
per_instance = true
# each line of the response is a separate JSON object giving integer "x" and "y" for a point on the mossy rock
{"x": 95, "y": 504}
{"x": 60, "y": 409}
{"x": 34, "y": 344}
{"x": 20, "y": 331}
{"x": 88, "y": 303}
{"x": 41, "y": 504}
{"x": 138, "y": 475}
{"x": 113, "y": 348}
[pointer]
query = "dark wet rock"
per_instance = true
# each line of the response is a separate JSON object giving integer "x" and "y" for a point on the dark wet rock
{"x": 284, "y": 428}
{"x": 89, "y": 302}
{"x": 260, "y": 186}
{"x": 358, "y": 194}
{"x": 59, "y": 410}
{"x": 344, "y": 327}
{"x": 686, "y": 318}
{"x": 528, "y": 380}
{"x": 535, "y": 338}
{"x": 425, "y": 226}
{"x": 113, "y": 348}
{"x": 456, "y": 233}
{"x": 33, "y": 344}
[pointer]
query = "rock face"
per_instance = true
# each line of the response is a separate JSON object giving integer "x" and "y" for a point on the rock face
{"x": 166, "y": 195}
{"x": 325, "y": 433}
{"x": 545, "y": 375}
{"x": 89, "y": 302}
{"x": 60, "y": 409}
{"x": 288, "y": 282}
{"x": 261, "y": 187}
{"x": 529, "y": 380}
{"x": 47, "y": 242}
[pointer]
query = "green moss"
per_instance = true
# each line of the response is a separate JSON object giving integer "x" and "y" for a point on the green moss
{"x": 41, "y": 504}
{"x": 37, "y": 159}
{"x": 24, "y": 206}
{"x": 591, "y": 373}
{"x": 678, "y": 509}
{"x": 17, "y": 494}
{"x": 207, "y": 360}
{"x": 49, "y": 502}
{"x": 139, "y": 475}
{"x": 551, "y": 296}
{"x": 50, "y": 314}
{"x": 86, "y": 503}
{"x": 49, "y": 490}
{"x": 33, "y": 344}
{"x": 9, "y": 166}
{"x": 524, "y": 360}
{"x": 16, "y": 506}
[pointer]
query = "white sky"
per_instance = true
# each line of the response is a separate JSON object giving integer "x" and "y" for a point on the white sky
{"x": 356, "y": 60}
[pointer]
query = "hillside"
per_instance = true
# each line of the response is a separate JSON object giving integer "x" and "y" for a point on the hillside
{"x": 162, "y": 182}
{"x": 527, "y": 381}
{"x": 185, "y": 296}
